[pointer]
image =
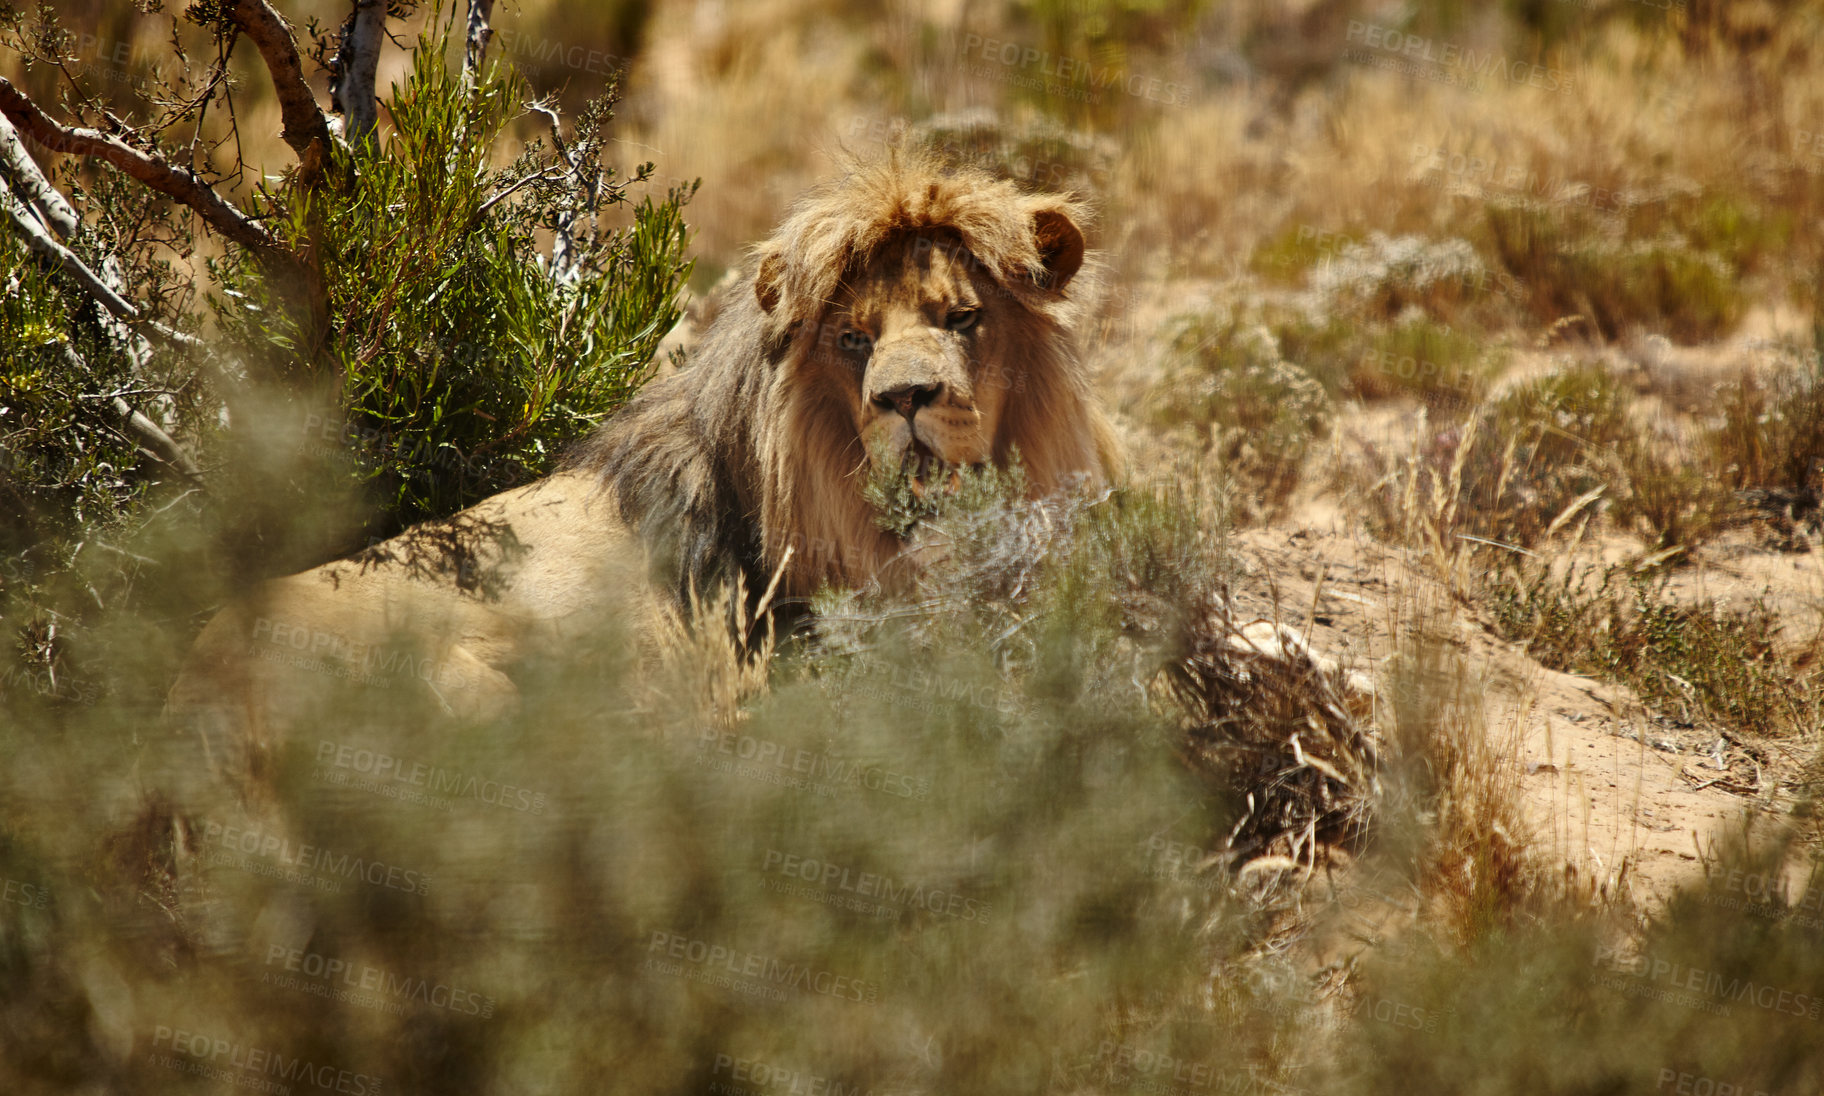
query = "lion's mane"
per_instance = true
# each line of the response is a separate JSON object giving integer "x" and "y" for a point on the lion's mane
{"x": 726, "y": 463}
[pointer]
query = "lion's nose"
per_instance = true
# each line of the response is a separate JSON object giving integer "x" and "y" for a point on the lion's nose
{"x": 907, "y": 399}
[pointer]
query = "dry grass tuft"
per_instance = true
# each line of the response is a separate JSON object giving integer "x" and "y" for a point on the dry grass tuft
{"x": 1453, "y": 816}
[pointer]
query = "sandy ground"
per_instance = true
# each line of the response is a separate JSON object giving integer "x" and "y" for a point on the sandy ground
{"x": 1628, "y": 801}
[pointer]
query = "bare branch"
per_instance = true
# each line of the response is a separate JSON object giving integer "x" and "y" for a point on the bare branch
{"x": 153, "y": 437}
{"x": 147, "y": 433}
{"x": 480, "y": 34}
{"x": 18, "y": 168}
{"x": 149, "y": 169}
{"x": 105, "y": 287}
{"x": 563, "y": 241}
{"x": 39, "y": 240}
{"x": 352, "y": 91}
{"x": 306, "y": 127}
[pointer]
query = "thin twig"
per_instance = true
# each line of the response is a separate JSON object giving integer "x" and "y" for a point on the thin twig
{"x": 149, "y": 168}
{"x": 144, "y": 431}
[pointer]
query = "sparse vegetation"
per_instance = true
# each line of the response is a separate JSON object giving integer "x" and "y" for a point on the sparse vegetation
{"x": 1084, "y": 777}
{"x": 1696, "y": 663}
{"x": 1225, "y": 386}
{"x": 1769, "y": 436}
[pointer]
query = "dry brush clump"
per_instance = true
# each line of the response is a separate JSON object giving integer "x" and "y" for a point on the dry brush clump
{"x": 1546, "y": 461}
{"x": 1277, "y": 729}
{"x": 1767, "y": 442}
{"x": 1453, "y": 823}
{"x": 1697, "y": 661}
{"x": 1225, "y": 392}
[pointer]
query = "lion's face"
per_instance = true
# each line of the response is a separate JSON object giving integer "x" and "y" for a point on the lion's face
{"x": 909, "y": 314}
{"x": 920, "y": 342}
{"x": 909, "y": 342}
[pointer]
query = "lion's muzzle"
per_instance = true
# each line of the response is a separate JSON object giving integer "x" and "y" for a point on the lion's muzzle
{"x": 908, "y": 398}
{"x": 918, "y": 389}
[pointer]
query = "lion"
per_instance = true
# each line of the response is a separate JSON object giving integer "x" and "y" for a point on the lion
{"x": 909, "y": 311}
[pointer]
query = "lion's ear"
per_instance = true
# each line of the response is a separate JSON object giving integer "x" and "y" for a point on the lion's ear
{"x": 768, "y": 281}
{"x": 1060, "y": 248}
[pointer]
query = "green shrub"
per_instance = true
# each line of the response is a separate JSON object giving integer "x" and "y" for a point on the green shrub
{"x": 463, "y": 361}
{"x": 448, "y": 358}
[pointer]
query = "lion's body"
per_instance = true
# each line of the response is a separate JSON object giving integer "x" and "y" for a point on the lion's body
{"x": 441, "y": 615}
{"x": 905, "y": 313}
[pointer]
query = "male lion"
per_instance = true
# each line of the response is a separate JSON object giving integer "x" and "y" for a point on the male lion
{"x": 907, "y": 312}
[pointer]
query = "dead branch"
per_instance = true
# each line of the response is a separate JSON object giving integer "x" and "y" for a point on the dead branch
{"x": 563, "y": 242}
{"x": 306, "y": 127}
{"x": 40, "y": 241}
{"x": 105, "y": 286}
{"x": 148, "y": 168}
{"x": 480, "y": 33}
{"x": 352, "y": 90}
{"x": 18, "y": 168}
{"x": 148, "y": 434}
{"x": 104, "y": 290}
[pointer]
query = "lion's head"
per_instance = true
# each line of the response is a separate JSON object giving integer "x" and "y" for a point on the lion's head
{"x": 908, "y": 311}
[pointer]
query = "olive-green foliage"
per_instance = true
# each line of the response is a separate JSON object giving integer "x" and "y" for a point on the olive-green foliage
{"x": 1723, "y": 988}
{"x": 1546, "y": 456}
{"x": 465, "y": 365}
{"x": 1105, "y": 566}
{"x": 1619, "y": 273}
{"x": 1392, "y": 316}
{"x": 960, "y": 815}
{"x": 1448, "y": 368}
{"x": 1689, "y": 660}
{"x": 1289, "y": 255}
{"x": 75, "y": 486}
{"x": 1120, "y": 45}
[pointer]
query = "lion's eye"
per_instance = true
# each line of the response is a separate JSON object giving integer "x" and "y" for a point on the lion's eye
{"x": 854, "y": 340}
{"x": 962, "y": 319}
